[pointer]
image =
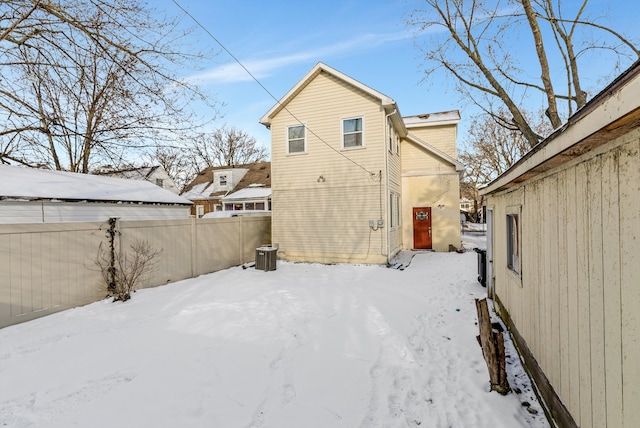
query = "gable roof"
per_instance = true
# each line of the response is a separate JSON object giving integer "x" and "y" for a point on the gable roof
{"x": 257, "y": 173}
{"x": 40, "y": 184}
{"x": 388, "y": 103}
{"x": 614, "y": 111}
{"x": 435, "y": 152}
{"x": 141, "y": 173}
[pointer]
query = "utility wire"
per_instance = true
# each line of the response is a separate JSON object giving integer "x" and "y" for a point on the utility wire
{"x": 372, "y": 174}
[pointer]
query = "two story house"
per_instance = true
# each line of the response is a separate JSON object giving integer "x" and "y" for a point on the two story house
{"x": 355, "y": 182}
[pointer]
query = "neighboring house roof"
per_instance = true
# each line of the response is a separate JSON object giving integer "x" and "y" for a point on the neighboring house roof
{"x": 148, "y": 173}
{"x": 142, "y": 173}
{"x": 198, "y": 191}
{"x": 201, "y": 187}
{"x": 251, "y": 192}
{"x": 617, "y": 114}
{"x": 438, "y": 153}
{"x": 19, "y": 183}
{"x": 388, "y": 103}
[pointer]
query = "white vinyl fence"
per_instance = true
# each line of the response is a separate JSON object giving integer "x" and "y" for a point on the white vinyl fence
{"x": 47, "y": 268}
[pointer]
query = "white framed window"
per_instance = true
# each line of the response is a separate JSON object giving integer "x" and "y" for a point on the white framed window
{"x": 394, "y": 210}
{"x": 223, "y": 180}
{"x": 390, "y": 135}
{"x": 513, "y": 241}
{"x": 352, "y": 133}
{"x": 296, "y": 139}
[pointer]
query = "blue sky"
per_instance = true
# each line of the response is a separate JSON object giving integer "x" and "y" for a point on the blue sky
{"x": 279, "y": 41}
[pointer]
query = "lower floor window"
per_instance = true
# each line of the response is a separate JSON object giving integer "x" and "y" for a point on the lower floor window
{"x": 513, "y": 242}
{"x": 242, "y": 206}
{"x": 394, "y": 208}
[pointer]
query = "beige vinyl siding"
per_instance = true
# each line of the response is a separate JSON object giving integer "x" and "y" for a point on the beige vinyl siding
{"x": 329, "y": 217}
{"x": 431, "y": 191}
{"x": 395, "y": 186}
{"x": 418, "y": 161}
{"x": 442, "y": 137}
{"x": 429, "y": 182}
{"x": 577, "y": 303}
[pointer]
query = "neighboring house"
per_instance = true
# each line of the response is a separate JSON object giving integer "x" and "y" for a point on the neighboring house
{"x": 466, "y": 205}
{"x": 29, "y": 195}
{"x": 563, "y": 257}
{"x": 153, "y": 174}
{"x": 254, "y": 197}
{"x": 213, "y": 184}
{"x": 355, "y": 182}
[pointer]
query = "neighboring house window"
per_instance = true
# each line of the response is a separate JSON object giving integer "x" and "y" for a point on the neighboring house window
{"x": 159, "y": 182}
{"x": 296, "y": 141}
{"x": 513, "y": 242}
{"x": 223, "y": 180}
{"x": 352, "y": 133}
{"x": 199, "y": 210}
{"x": 228, "y": 207}
{"x": 390, "y": 135}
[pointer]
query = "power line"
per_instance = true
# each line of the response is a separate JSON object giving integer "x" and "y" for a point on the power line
{"x": 269, "y": 93}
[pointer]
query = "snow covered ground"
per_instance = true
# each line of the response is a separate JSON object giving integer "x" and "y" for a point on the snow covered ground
{"x": 307, "y": 346}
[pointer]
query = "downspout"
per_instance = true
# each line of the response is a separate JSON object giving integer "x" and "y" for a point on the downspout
{"x": 386, "y": 157}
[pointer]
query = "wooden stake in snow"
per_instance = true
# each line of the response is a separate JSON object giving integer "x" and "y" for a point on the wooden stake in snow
{"x": 492, "y": 344}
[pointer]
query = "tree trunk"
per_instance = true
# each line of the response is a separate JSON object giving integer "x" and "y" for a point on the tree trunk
{"x": 552, "y": 108}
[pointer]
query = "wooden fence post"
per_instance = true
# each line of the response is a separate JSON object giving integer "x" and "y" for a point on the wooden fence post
{"x": 492, "y": 344}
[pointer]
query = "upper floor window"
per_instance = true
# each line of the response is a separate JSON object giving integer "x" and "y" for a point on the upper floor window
{"x": 296, "y": 139}
{"x": 223, "y": 180}
{"x": 352, "y": 133}
{"x": 390, "y": 135}
{"x": 159, "y": 182}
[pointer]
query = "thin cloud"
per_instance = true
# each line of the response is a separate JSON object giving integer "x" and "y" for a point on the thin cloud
{"x": 232, "y": 72}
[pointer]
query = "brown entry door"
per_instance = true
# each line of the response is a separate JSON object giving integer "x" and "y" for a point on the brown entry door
{"x": 422, "y": 228}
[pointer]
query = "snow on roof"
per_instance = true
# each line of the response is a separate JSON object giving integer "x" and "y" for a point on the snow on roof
{"x": 452, "y": 116}
{"x": 249, "y": 193}
{"x": 198, "y": 191}
{"x": 30, "y": 183}
{"x": 141, "y": 173}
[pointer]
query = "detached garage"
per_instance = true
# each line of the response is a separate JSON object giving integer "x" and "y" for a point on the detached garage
{"x": 563, "y": 254}
{"x": 29, "y": 195}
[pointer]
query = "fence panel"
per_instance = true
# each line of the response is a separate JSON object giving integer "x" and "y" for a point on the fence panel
{"x": 46, "y": 268}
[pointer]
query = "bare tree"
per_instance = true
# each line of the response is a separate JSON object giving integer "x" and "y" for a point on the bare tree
{"x": 227, "y": 146}
{"x": 123, "y": 272}
{"x": 175, "y": 162}
{"x": 86, "y": 82}
{"x": 473, "y": 41}
{"x": 491, "y": 149}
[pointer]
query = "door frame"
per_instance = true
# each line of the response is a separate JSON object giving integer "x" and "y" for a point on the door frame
{"x": 413, "y": 226}
{"x": 489, "y": 261}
